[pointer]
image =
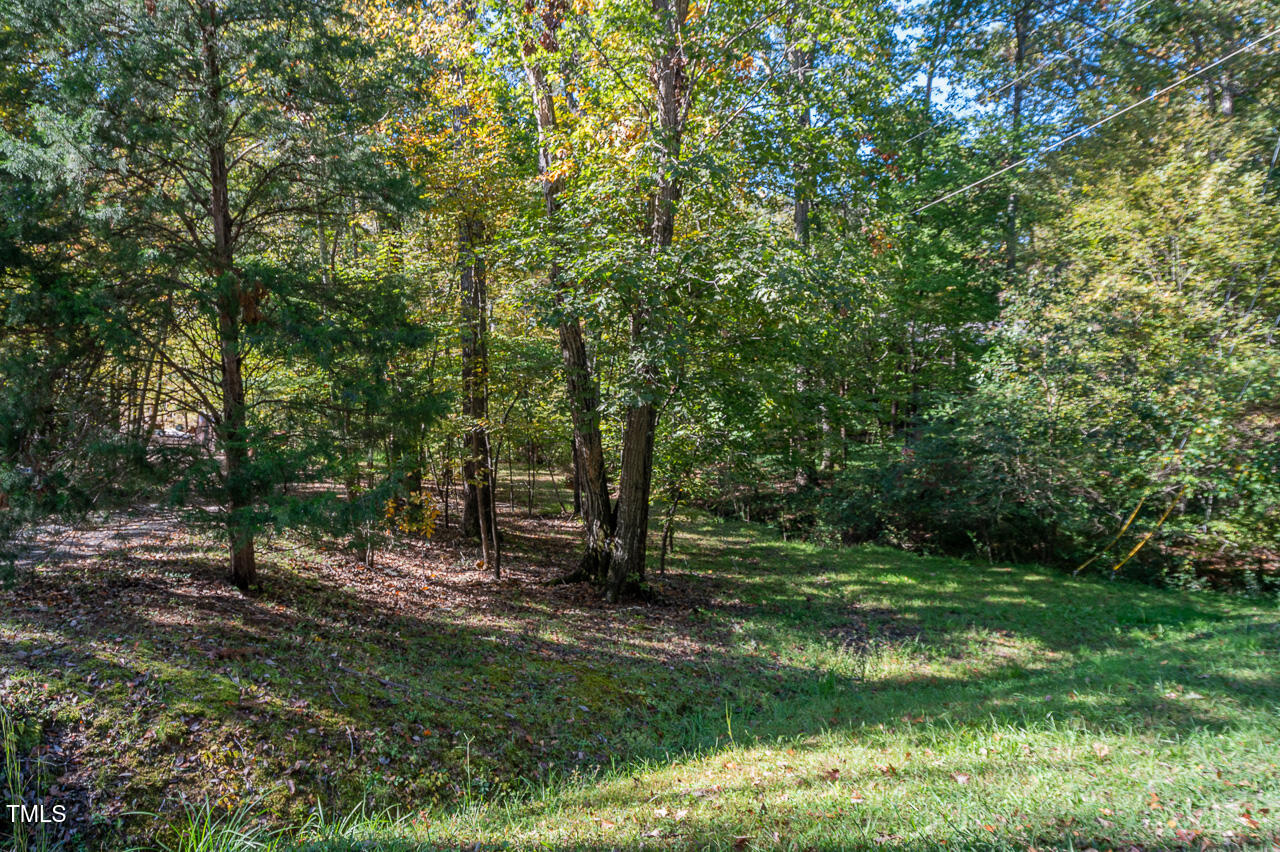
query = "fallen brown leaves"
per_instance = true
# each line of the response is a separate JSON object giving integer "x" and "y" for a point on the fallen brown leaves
{"x": 190, "y": 690}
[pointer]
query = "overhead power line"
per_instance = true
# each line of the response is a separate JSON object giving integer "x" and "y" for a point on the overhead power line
{"x": 1057, "y": 56}
{"x": 987, "y": 96}
{"x": 1077, "y": 134}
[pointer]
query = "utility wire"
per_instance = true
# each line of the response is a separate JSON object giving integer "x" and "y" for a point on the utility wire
{"x": 992, "y": 94}
{"x": 1052, "y": 59}
{"x": 938, "y": 52}
{"x": 1077, "y": 134}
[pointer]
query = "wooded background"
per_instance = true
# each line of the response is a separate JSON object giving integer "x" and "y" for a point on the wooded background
{"x": 850, "y": 267}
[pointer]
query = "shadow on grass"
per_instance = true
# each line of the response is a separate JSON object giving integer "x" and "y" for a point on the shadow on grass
{"x": 419, "y": 680}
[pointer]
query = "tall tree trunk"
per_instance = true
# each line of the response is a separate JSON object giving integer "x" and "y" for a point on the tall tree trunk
{"x": 928, "y": 90}
{"x": 799, "y": 62}
{"x": 592, "y": 478}
{"x": 577, "y": 480}
{"x": 478, "y": 472}
{"x": 138, "y": 412}
{"x": 479, "y": 513}
{"x": 828, "y": 452}
{"x": 672, "y": 100}
{"x": 235, "y": 305}
{"x": 668, "y": 527}
{"x": 157, "y": 399}
{"x": 591, "y": 481}
{"x": 1021, "y": 26}
{"x": 931, "y": 72}
{"x": 635, "y": 484}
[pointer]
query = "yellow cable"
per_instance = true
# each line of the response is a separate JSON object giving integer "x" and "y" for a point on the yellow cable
{"x": 1148, "y": 536}
{"x": 1132, "y": 515}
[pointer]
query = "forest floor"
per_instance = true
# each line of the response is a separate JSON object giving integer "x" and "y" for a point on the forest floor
{"x": 775, "y": 696}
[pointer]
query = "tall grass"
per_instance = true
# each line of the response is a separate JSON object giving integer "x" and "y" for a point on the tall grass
{"x": 13, "y": 787}
{"x": 351, "y": 831}
{"x": 207, "y": 828}
{"x": 23, "y": 837}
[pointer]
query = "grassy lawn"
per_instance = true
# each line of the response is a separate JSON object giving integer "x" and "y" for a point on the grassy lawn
{"x": 777, "y": 696}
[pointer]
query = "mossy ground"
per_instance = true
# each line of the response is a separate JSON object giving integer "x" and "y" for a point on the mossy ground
{"x": 777, "y": 695}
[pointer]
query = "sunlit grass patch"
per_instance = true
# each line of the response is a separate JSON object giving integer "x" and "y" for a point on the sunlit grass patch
{"x": 792, "y": 697}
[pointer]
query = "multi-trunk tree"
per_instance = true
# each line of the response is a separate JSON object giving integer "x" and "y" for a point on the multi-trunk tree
{"x": 641, "y": 111}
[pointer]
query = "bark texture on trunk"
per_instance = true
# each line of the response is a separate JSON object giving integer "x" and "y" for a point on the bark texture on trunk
{"x": 595, "y": 506}
{"x": 236, "y": 305}
{"x": 672, "y": 98}
{"x": 634, "y": 486}
{"x": 799, "y": 62}
{"x": 479, "y": 511}
{"x": 477, "y": 465}
{"x": 591, "y": 497}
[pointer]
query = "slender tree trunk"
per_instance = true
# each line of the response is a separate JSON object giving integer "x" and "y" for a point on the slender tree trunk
{"x": 480, "y": 478}
{"x": 234, "y": 437}
{"x": 634, "y": 487}
{"x": 799, "y": 62}
{"x": 156, "y": 399}
{"x": 668, "y": 529}
{"x": 591, "y": 482}
{"x": 672, "y": 101}
{"x": 931, "y": 72}
{"x": 577, "y": 481}
{"x": 478, "y": 472}
{"x": 138, "y": 412}
{"x": 1021, "y": 25}
{"x": 530, "y": 474}
{"x": 555, "y": 484}
{"x": 235, "y": 306}
{"x": 495, "y": 538}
